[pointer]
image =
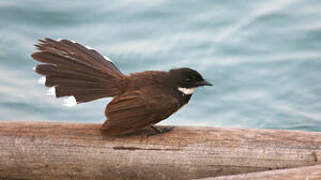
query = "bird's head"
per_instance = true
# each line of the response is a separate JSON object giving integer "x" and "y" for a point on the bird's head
{"x": 187, "y": 80}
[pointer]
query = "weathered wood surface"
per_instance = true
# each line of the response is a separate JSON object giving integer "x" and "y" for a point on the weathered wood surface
{"x": 300, "y": 173}
{"x": 40, "y": 150}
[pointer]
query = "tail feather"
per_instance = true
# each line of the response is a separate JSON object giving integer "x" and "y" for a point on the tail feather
{"x": 52, "y": 70}
{"x": 79, "y": 94}
{"x": 75, "y": 70}
{"x": 76, "y": 83}
{"x": 65, "y": 62}
{"x": 77, "y": 51}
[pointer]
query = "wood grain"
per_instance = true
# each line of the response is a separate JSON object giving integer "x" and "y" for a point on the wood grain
{"x": 300, "y": 173}
{"x": 42, "y": 150}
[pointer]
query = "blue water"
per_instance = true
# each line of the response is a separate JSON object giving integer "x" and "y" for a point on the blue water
{"x": 264, "y": 57}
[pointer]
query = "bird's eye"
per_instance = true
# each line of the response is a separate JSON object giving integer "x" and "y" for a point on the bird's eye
{"x": 189, "y": 79}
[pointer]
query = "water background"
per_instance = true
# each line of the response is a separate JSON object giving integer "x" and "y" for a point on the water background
{"x": 264, "y": 57}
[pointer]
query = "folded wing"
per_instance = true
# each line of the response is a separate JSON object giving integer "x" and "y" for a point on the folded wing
{"x": 137, "y": 109}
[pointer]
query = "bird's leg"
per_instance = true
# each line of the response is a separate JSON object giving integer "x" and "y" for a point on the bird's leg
{"x": 159, "y": 131}
{"x": 156, "y": 130}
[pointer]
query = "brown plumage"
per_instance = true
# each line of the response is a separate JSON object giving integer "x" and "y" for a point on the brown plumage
{"x": 140, "y": 99}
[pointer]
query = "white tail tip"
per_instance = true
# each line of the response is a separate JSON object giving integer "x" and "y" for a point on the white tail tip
{"x": 34, "y": 68}
{"x": 70, "y": 101}
{"x": 42, "y": 80}
{"x": 107, "y": 58}
{"x": 90, "y": 48}
{"x": 51, "y": 92}
{"x": 60, "y": 39}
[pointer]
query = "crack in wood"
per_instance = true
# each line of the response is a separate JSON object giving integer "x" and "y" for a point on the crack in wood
{"x": 131, "y": 148}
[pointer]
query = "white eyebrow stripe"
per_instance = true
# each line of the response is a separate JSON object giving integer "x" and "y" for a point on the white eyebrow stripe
{"x": 186, "y": 91}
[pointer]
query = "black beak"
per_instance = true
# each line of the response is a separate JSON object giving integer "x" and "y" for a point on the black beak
{"x": 204, "y": 83}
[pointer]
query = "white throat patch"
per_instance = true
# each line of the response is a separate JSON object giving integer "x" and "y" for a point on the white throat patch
{"x": 186, "y": 91}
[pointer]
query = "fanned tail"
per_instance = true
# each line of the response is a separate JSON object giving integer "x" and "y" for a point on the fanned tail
{"x": 74, "y": 70}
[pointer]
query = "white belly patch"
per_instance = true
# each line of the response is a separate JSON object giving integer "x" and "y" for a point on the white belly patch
{"x": 186, "y": 91}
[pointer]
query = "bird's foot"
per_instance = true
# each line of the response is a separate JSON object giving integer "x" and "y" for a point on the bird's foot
{"x": 159, "y": 130}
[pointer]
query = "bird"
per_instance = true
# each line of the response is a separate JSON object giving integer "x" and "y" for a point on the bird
{"x": 140, "y": 99}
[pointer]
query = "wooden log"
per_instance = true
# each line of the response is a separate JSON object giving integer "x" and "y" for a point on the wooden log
{"x": 307, "y": 172}
{"x": 41, "y": 150}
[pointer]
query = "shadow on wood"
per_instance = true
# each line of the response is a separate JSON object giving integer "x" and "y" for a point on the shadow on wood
{"x": 41, "y": 150}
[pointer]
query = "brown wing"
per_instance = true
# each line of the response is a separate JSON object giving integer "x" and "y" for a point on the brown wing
{"x": 138, "y": 109}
